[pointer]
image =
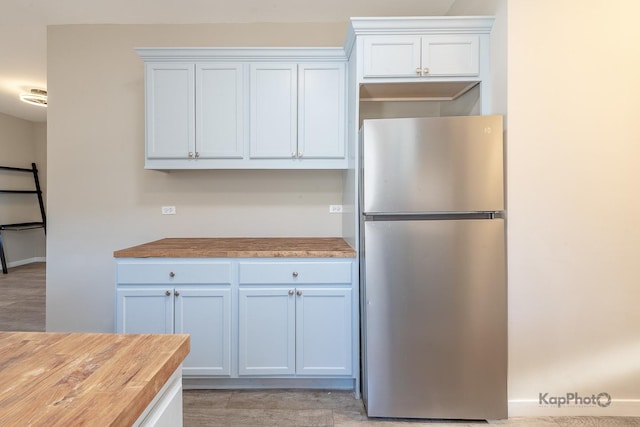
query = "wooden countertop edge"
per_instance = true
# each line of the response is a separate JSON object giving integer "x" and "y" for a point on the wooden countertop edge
{"x": 241, "y": 247}
{"x": 155, "y": 384}
{"x": 53, "y": 378}
{"x": 126, "y": 253}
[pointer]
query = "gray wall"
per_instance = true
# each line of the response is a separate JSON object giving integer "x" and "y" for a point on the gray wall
{"x": 100, "y": 197}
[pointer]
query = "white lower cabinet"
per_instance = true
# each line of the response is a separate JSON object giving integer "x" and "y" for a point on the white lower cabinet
{"x": 184, "y": 297}
{"x": 279, "y": 318}
{"x": 295, "y": 317}
{"x": 286, "y": 330}
{"x": 165, "y": 410}
{"x": 266, "y": 331}
{"x": 323, "y": 331}
{"x": 203, "y": 312}
{"x": 144, "y": 310}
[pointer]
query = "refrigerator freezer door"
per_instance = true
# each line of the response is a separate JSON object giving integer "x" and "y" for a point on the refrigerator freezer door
{"x": 435, "y": 314}
{"x": 441, "y": 164}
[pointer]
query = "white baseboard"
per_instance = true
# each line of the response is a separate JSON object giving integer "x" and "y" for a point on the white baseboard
{"x": 20, "y": 262}
{"x": 533, "y": 408}
{"x": 194, "y": 383}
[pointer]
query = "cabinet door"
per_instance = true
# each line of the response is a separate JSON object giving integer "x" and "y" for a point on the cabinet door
{"x": 391, "y": 56}
{"x": 321, "y": 110}
{"x": 266, "y": 331}
{"x": 323, "y": 331}
{"x": 273, "y": 110}
{"x": 146, "y": 310}
{"x": 450, "y": 55}
{"x": 219, "y": 112}
{"x": 170, "y": 109}
{"x": 205, "y": 314}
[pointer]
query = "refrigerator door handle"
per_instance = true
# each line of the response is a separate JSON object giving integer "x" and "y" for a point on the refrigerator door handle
{"x": 431, "y": 216}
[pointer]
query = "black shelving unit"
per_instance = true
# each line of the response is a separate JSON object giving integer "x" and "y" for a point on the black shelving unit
{"x": 19, "y": 226}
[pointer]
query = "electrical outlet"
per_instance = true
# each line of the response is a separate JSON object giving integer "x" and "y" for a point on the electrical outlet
{"x": 168, "y": 210}
{"x": 335, "y": 208}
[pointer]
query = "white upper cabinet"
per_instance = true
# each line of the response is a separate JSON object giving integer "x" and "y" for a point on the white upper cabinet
{"x": 252, "y": 108}
{"x": 414, "y": 56}
{"x": 298, "y": 111}
{"x": 219, "y": 111}
{"x": 321, "y": 111}
{"x": 194, "y": 111}
{"x": 445, "y": 56}
{"x": 170, "y": 110}
{"x": 421, "y": 48}
{"x": 273, "y": 111}
{"x": 391, "y": 56}
{"x": 450, "y": 56}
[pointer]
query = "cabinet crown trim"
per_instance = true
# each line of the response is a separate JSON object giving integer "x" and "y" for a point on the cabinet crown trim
{"x": 200, "y": 54}
{"x": 422, "y": 24}
{"x": 416, "y": 25}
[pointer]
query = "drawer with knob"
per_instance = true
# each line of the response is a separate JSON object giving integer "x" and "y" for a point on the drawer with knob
{"x": 194, "y": 272}
{"x": 294, "y": 272}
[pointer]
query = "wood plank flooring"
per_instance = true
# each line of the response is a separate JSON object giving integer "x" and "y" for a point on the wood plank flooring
{"x": 284, "y": 408}
{"x": 22, "y": 308}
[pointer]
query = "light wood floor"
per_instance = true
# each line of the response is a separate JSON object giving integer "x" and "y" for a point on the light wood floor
{"x": 22, "y": 308}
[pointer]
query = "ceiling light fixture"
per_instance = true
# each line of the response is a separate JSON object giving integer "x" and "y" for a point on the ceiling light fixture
{"x": 35, "y": 97}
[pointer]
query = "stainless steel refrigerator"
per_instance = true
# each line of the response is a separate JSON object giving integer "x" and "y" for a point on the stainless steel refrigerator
{"x": 434, "y": 300}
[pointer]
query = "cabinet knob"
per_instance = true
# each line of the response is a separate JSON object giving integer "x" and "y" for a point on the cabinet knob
{"x": 294, "y": 274}
{"x": 299, "y": 293}
{"x": 418, "y": 70}
{"x": 426, "y": 70}
{"x": 190, "y": 153}
{"x": 293, "y": 155}
{"x": 172, "y": 274}
{"x": 299, "y": 153}
{"x": 290, "y": 291}
{"x": 167, "y": 293}
{"x": 197, "y": 154}
{"x": 176, "y": 293}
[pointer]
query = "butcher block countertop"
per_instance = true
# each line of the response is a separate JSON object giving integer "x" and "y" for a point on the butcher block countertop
{"x": 59, "y": 379}
{"x": 269, "y": 247}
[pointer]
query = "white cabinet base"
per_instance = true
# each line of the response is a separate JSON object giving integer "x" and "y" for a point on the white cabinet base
{"x": 165, "y": 410}
{"x": 274, "y": 383}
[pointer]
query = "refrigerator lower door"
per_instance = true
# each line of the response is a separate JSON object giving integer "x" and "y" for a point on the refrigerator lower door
{"x": 435, "y": 319}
